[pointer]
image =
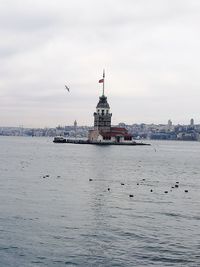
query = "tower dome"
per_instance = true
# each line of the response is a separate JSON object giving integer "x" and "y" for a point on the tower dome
{"x": 103, "y": 102}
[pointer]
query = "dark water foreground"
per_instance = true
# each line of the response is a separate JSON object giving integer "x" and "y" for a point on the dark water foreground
{"x": 52, "y": 215}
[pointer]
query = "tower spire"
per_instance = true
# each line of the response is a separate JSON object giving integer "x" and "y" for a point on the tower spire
{"x": 103, "y": 81}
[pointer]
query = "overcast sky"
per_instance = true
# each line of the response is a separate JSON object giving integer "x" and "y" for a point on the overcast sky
{"x": 150, "y": 50}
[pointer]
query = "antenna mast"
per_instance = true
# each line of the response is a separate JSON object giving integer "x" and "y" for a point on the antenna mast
{"x": 103, "y": 80}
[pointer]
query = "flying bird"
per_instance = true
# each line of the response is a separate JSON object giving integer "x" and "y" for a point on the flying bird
{"x": 66, "y": 87}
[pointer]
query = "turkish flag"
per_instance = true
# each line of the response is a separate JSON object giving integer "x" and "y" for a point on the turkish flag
{"x": 101, "y": 81}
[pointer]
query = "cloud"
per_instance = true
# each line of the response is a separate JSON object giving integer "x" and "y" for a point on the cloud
{"x": 150, "y": 50}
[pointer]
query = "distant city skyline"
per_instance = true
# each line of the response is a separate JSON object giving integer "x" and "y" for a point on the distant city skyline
{"x": 190, "y": 132}
{"x": 149, "y": 49}
{"x": 169, "y": 123}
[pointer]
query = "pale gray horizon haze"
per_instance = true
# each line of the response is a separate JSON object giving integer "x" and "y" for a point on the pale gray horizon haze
{"x": 149, "y": 49}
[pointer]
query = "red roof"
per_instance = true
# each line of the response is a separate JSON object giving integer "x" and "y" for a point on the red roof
{"x": 116, "y": 131}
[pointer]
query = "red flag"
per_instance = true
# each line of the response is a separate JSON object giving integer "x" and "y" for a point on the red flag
{"x": 101, "y": 81}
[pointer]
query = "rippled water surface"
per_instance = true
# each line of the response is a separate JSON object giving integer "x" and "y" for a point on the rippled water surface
{"x": 52, "y": 215}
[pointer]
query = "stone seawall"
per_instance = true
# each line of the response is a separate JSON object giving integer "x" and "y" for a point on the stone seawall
{"x": 87, "y": 142}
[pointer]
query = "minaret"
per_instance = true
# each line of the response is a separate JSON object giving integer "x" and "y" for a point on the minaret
{"x": 102, "y": 116}
{"x": 75, "y": 128}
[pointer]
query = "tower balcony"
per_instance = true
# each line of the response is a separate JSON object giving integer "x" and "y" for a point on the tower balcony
{"x": 100, "y": 115}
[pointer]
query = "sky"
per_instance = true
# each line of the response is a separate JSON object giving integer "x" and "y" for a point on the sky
{"x": 150, "y": 50}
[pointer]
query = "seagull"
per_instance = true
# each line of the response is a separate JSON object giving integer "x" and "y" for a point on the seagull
{"x": 66, "y": 87}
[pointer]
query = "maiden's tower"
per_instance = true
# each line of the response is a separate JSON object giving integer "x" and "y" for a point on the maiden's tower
{"x": 103, "y": 132}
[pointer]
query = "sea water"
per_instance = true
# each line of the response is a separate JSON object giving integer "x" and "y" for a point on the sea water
{"x": 56, "y": 208}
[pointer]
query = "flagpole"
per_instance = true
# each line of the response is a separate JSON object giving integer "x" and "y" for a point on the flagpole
{"x": 103, "y": 80}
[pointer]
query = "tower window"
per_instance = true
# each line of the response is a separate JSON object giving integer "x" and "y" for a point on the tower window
{"x": 107, "y": 111}
{"x": 102, "y": 111}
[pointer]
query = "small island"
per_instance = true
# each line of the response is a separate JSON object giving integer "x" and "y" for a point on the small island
{"x": 103, "y": 133}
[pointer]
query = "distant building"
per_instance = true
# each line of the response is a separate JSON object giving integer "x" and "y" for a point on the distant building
{"x": 75, "y": 128}
{"x": 169, "y": 124}
{"x": 192, "y": 122}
